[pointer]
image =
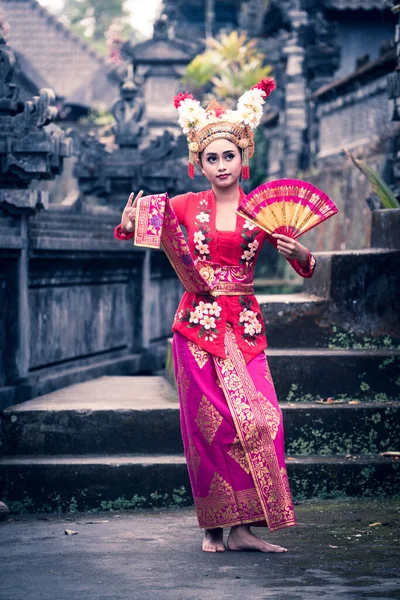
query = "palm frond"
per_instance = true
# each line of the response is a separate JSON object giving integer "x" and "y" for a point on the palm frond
{"x": 231, "y": 63}
{"x": 380, "y": 187}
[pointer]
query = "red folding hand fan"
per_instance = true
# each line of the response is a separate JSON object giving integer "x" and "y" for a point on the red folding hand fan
{"x": 287, "y": 206}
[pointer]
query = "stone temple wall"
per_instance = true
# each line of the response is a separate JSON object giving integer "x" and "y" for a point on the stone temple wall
{"x": 352, "y": 113}
{"x": 76, "y": 303}
{"x": 353, "y": 119}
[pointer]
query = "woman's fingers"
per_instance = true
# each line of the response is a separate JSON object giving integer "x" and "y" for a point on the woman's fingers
{"x": 280, "y": 236}
{"x": 140, "y": 194}
{"x": 286, "y": 247}
{"x": 130, "y": 200}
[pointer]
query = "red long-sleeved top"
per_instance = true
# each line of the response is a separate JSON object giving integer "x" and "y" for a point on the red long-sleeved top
{"x": 203, "y": 319}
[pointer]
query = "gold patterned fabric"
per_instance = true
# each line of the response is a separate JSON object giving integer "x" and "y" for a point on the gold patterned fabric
{"x": 256, "y": 426}
{"x": 200, "y": 356}
{"x": 194, "y": 458}
{"x": 237, "y": 453}
{"x": 225, "y": 507}
{"x": 182, "y": 380}
{"x": 208, "y": 419}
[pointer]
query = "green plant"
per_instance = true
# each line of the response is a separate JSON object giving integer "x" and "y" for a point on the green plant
{"x": 179, "y": 496}
{"x": 123, "y": 503}
{"x": 380, "y": 187}
{"x": 229, "y": 66}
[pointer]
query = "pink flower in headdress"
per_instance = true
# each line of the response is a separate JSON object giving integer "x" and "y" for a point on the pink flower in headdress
{"x": 181, "y": 97}
{"x": 266, "y": 85}
{"x": 218, "y": 112}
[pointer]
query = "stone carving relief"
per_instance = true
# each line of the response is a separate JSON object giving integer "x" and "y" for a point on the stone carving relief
{"x": 31, "y": 146}
{"x": 128, "y": 112}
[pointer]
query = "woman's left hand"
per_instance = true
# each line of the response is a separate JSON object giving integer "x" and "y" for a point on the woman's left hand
{"x": 291, "y": 249}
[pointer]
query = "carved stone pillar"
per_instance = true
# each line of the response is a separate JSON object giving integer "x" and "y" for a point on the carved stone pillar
{"x": 295, "y": 95}
{"x": 321, "y": 60}
{"x": 30, "y": 150}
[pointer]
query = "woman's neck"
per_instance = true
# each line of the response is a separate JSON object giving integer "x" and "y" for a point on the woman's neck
{"x": 227, "y": 195}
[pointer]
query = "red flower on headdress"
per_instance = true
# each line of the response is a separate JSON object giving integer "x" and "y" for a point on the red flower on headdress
{"x": 180, "y": 98}
{"x": 218, "y": 112}
{"x": 266, "y": 85}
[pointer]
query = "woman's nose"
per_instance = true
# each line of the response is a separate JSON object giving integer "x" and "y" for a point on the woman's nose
{"x": 221, "y": 165}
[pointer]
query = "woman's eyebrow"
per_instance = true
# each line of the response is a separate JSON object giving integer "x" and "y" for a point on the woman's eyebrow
{"x": 216, "y": 154}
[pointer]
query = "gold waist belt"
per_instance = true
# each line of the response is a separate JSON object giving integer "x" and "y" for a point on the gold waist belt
{"x": 227, "y": 280}
{"x": 225, "y": 288}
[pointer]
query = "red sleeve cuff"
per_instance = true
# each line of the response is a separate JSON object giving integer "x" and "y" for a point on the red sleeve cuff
{"x": 120, "y": 235}
{"x": 305, "y": 272}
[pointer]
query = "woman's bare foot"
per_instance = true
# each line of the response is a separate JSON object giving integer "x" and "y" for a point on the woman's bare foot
{"x": 241, "y": 538}
{"x": 214, "y": 540}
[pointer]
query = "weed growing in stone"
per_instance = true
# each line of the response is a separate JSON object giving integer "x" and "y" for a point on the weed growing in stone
{"x": 55, "y": 504}
{"x": 348, "y": 340}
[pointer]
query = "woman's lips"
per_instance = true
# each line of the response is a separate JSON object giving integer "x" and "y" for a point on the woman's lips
{"x": 224, "y": 176}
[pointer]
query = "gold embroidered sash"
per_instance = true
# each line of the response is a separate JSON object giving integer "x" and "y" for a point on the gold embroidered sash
{"x": 256, "y": 428}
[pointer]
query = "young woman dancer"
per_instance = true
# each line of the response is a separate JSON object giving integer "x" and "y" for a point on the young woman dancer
{"x": 230, "y": 418}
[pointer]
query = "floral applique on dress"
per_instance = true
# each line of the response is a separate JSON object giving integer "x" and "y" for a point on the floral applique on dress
{"x": 249, "y": 320}
{"x": 250, "y": 244}
{"x": 205, "y": 315}
{"x": 201, "y": 237}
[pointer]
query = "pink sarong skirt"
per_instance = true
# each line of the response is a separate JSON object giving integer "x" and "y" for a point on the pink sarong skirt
{"x": 233, "y": 439}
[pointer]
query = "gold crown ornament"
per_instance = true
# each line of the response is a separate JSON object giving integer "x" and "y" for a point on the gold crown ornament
{"x": 204, "y": 125}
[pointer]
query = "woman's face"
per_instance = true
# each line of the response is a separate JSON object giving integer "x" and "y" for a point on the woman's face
{"x": 221, "y": 163}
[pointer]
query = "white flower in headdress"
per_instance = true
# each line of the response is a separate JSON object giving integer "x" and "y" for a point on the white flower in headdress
{"x": 233, "y": 116}
{"x": 249, "y": 107}
{"x": 191, "y": 115}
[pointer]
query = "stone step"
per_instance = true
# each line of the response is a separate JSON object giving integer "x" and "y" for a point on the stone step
{"x": 307, "y": 374}
{"x": 115, "y": 415}
{"x": 125, "y": 415}
{"x": 43, "y": 483}
{"x": 363, "y": 287}
{"x": 46, "y": 380}
{"x": 298, "y": 320}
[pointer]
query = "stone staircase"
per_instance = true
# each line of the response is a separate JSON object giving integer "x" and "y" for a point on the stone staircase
{"x": 115, "y": 443}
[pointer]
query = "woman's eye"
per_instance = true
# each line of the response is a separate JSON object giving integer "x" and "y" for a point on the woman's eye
{"x": 230, "y": 156}
{"x": 211, "y": 159}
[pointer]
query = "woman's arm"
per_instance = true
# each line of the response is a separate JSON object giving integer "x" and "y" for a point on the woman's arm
{"x": 301, "y": 259}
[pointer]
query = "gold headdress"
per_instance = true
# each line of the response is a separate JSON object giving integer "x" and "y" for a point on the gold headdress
{"x": 203, "y": 126}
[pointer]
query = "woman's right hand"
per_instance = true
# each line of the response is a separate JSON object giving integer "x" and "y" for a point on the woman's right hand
{"x": 129, "y": 212}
